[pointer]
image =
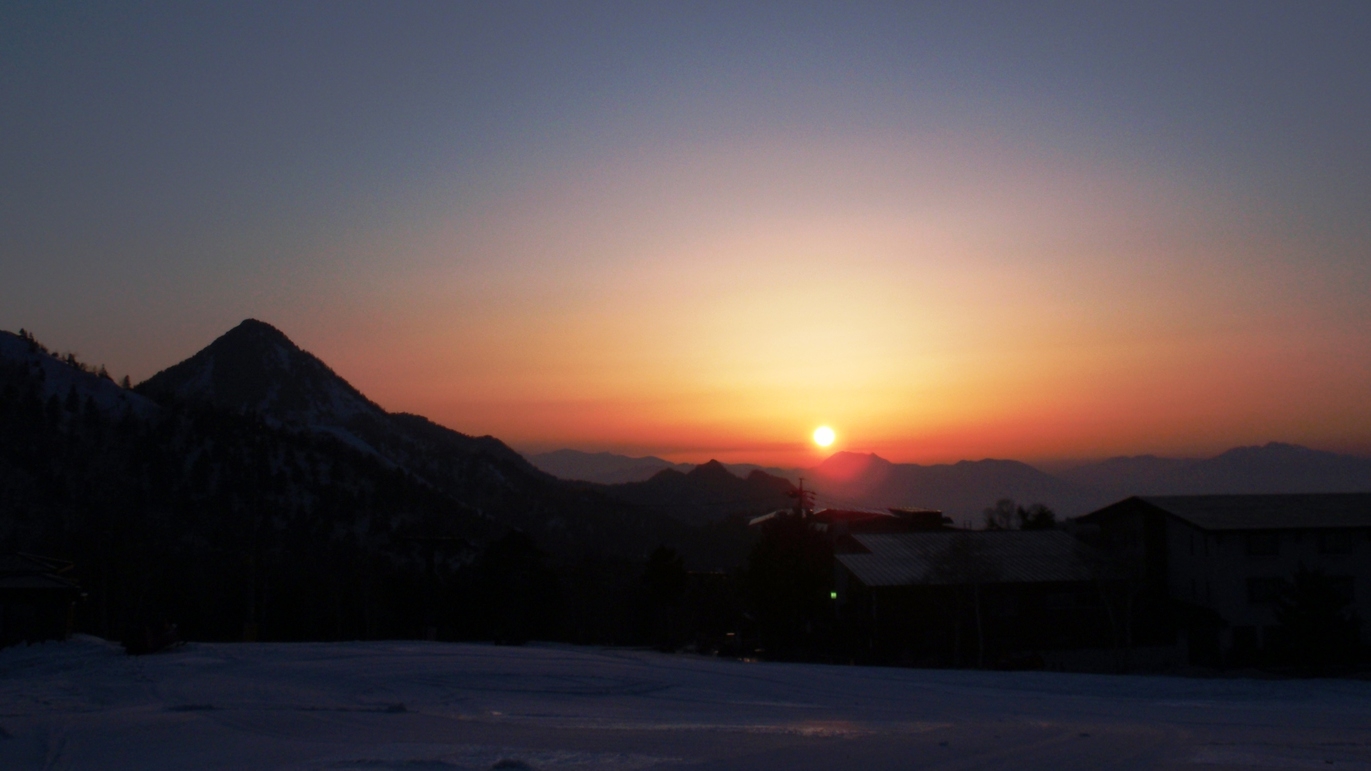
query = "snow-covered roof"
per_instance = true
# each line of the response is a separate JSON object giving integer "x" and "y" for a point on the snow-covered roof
{"x": 949, "y": 557}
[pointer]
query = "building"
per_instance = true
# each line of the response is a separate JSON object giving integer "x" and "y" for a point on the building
{"x": 1223, "y": 561}
{"x": 979, "y": 598}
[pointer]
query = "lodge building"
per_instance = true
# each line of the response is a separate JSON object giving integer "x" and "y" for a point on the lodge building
{"x": 1224, "y": 560}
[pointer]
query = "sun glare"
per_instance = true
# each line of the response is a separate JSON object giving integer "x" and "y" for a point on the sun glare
{"x": 824, "y": 436}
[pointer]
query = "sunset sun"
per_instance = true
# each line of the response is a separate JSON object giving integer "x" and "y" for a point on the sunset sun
{"x": 824, "y": 436}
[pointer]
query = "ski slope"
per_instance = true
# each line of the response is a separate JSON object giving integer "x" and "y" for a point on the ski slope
{"x": 82, "y": 704}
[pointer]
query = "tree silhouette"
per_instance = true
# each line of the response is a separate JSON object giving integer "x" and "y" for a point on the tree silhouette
{"x": 1317, "y": 631}
{"x": 1007, "y": 515}
{"x": 789, "y": 577}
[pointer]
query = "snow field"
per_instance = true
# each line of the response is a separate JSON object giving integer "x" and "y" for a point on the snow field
{"x": 415, "y": 705}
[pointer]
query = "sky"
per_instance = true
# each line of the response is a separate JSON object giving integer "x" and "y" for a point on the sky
{"x": 699, "y": 230}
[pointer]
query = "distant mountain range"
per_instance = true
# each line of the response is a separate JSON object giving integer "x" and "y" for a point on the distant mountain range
{"x": 963, "y": 490}
{"x": 1272, "y": 468}
{"x": 706, "y": 493}
{"x": 606, "y": 468}
{"x": 603, "y": 467}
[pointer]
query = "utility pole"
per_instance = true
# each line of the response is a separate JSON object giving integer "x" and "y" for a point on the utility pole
{"x": 804, "y": 499}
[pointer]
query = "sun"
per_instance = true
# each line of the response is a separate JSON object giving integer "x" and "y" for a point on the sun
{"x": 824, "y": 436}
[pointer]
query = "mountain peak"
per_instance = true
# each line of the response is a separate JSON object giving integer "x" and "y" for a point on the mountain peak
{"x": 844, "y": 463}
{"x": 257, "y": 329}
{"x": 711, "y": 470}
{"x": 255, "y": 367}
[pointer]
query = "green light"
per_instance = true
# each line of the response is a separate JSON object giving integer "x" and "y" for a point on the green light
{"x": 832, "y": 595}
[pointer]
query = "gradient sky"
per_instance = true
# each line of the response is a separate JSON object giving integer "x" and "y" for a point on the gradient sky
{"x": 700, "y": 230}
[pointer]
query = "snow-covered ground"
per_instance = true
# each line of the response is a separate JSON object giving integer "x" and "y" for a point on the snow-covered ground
{"x": 413, "y": 705}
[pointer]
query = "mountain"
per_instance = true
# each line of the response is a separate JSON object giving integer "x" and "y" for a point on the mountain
{"x": 965, "y": 489}
{"x": 250, "y": 490}
{"x": 602, "y": 467}
{"x": 610, "y": 469}
{"x": 70, "y": 380}
{"x": 707, "y": 492}
{"x": 185, "y": 511}
{"x": 744, "y": 469}
{"x": 961, "y": 490}
{"x": 254, "y": 369}
{"x": 1272, "y": 468}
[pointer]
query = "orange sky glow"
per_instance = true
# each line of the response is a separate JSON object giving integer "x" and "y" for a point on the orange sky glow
{"x": 992, "y": 301}
{"x": 702, "y": 230}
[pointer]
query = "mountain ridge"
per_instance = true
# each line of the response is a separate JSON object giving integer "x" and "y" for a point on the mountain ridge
{"x": 1275, "y": 467}
{"x": 963, "y": 489}
{"x": 707, "y": 493}
{"x": 255, "y": 369}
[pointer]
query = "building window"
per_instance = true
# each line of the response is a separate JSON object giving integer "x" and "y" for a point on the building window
{"x": 1263, "y": 544}
{"x": 1336, "y": 541}
{"x": 1264, "y": 590}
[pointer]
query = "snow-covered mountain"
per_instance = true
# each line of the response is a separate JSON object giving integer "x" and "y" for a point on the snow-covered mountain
{"x": 255, "y": 369}
{"x": 66, "y": 379}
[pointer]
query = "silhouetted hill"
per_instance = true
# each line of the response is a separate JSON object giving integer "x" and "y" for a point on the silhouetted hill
{"x": 602, "y": 467}
{"x": 744, "y": 469}
{"x": 251, "y": 490}
{"x": 255, "y": 369}
{"x": 962, "y": 490}
{"x": 1273, "y": 468}
{"x": 66, "y": 378}
{"x": 611, "y": 469}
{"x": 209, "y": 517}
{"x": 706, "y": 493}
